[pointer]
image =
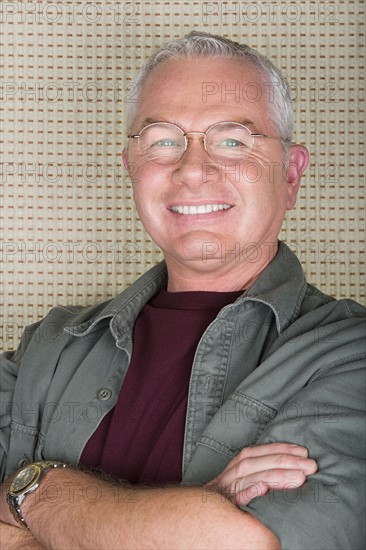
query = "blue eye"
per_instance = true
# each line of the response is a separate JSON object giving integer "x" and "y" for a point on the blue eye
{"x": 230, "y": 142}
{"x": 166, "y": 142}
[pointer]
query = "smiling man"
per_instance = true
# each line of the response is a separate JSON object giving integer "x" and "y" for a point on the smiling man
{"x": 233, "y": 192}
{"x": 223, "y": 389}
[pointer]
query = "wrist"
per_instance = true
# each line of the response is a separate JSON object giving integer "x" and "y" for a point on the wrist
{"x": 32, "y": 506}
{"x": 25, "y": 484}
{"x": 69, "y": 501}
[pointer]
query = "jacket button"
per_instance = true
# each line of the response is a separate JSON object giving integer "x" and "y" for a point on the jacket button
{"x": 104, "y": 394}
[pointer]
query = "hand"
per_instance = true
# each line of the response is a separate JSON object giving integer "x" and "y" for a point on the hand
{"x": 257, "y": 470}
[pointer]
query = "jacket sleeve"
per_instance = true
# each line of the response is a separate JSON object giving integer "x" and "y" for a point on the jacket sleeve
{"x": 25, "y": 378}
{"x": 10, "y": 362}
{"x": 327, "y": 417}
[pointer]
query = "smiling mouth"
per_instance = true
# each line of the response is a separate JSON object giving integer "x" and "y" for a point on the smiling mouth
{"x": 201, "y": 209}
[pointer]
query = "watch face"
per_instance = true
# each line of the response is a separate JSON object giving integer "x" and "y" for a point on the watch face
{"x": 24, "y": 478}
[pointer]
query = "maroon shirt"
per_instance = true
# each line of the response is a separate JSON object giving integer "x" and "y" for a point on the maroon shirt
{"x": 141, "y": 438}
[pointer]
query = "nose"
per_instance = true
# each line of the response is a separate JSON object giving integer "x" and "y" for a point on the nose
{"x": 196, "y": 167}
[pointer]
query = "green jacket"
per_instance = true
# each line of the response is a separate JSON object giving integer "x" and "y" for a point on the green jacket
{"x": 284, "y": 362}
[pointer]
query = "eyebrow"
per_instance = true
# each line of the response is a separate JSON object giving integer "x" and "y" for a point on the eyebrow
{"x": 246, "y": 123}
{"x": 148, "y": 121}
{"x": 250, "y": 124}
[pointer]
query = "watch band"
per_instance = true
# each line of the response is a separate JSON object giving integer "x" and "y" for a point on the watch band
{"x": 15, "y": 497}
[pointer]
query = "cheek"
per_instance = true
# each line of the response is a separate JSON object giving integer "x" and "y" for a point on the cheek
{"x": 263, "y": 169}
{"x": 152, "y": 189}
{"x": 262, "y": 188}
{"x": 143, "y": 187}
{"x": 148, "y": 194}
{"x": 252, "y": 172}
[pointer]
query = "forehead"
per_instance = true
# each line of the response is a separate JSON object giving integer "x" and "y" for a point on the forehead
{"x": 215, "y": 88}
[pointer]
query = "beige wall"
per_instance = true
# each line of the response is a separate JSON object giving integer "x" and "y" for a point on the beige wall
{"x": 70, "y": 234}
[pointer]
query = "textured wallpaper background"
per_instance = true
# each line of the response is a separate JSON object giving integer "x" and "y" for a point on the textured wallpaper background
{"x": 70, "y": 234}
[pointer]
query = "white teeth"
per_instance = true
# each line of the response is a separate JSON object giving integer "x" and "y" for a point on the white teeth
{"x": 201, "y": 209}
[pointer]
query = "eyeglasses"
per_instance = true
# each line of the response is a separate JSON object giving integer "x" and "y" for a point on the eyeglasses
{"x": 165, "y": 143}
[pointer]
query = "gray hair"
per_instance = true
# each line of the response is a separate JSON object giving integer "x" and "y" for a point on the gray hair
{"x": 202, "y": 44}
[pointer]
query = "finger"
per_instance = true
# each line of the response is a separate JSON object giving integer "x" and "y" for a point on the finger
{"x": 249, "y": 466}
{"x": 244, "y": 490}
{"x": 267, "y": 449}
{"x": 272, "y": 448}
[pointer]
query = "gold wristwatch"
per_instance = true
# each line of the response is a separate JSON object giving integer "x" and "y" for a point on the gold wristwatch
{"x": 25, "y": 481}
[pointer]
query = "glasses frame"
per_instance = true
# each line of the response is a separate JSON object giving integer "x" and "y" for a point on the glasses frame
{"x": 204, "y": 135}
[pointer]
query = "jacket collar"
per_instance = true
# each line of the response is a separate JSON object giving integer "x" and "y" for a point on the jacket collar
{"x": 124, "y": 309}
{"x": 281, "y": 286}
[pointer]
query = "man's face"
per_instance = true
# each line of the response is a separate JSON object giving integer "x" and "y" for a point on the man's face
{"x": 256, "y": 192}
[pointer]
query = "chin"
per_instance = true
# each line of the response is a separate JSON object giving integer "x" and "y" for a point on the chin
{"x": 204, "y": 253}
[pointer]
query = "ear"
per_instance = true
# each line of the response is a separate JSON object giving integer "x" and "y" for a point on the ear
{"x": 125, "y": 158}
{"x": 130, "y": 166}
{"x": 298, "y": 158}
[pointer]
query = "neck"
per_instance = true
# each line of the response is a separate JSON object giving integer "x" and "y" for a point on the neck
{"x": 215, "y": 275}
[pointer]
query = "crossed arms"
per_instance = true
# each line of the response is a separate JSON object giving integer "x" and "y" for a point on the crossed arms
{"x": 74, "y": 509}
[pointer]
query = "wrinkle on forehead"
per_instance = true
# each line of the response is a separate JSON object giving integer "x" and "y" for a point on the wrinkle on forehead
{"x": 150, "y": 120}
{"x": 177, "y": 86}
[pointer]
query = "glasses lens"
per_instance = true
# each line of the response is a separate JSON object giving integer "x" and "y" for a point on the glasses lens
{"x": 229, "y": 141}
{"x": 162, "y": 143}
